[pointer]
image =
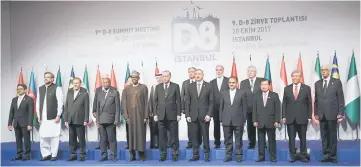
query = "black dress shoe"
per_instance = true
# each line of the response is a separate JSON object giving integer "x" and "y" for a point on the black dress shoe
{"x": 161, "y": 159}
{"x": 334, "y": 161}
{"x": 46, "y": 158}
{"x": 113, "y": 158}
{"x": 194, "y": 159}
{"x": 131, "y": 159}
{"x": 53, "y": 159}
{"x": 259, "y": 160}
{"x": 189, "y": 146}
{"x": 304, "y": 160}
{"x": 291, "y": 160}
{"x": 26, "y": 158}
{"x": 156, "y": 147}
{"x": 127, "y": 148}
{"x": 82, "y": 159}
{"x": 217, "y": 146}
{"x": 175, "y": 158}
{"x": 97, "y": 148}
{"x": 273, "y": 160}
{"x": 325, "y": 160}
{"x": 227, "y": 160}
{"x": 250, "y": 146}
{"x": 17, "y": 158}
{"x": 207, "y": 159}
{"x": 73, "y": 158}
{"x": 104, "y": 158}
{"x": 239, "y": 160}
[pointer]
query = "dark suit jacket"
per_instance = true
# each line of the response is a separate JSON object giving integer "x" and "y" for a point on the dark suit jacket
{"x": 199, "y": 106}
{"x": 267, "y": 115}
{"x": 245, "y": 86}
{"x": 76, "y": 111}
{"x": 184, "y": 92}
{"x": 169, "y": 106}
{"x": 108, "y": 109}
{"x": 233, "y": 114}
{"x": 332, "y": 103}
{"x": 217, "y": 95}
{"x": 299, "y": 110}
{"x": 23, "y": 115}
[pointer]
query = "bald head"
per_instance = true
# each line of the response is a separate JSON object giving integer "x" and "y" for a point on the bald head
{"x": 106, "y": 82}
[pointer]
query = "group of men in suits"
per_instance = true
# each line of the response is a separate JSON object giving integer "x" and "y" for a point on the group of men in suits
{"x": 200, "y": 101}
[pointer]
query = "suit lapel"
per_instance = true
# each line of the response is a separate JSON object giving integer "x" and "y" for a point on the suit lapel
{"x": 256, "y": 85}
{"x": 21, "y": 102}
{"x": 203, "y": 86}
{"x": 80, "y": 92}
{"x": 224, "y": 83}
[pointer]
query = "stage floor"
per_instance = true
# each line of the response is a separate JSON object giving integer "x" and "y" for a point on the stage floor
{"x": 348, "y": 155}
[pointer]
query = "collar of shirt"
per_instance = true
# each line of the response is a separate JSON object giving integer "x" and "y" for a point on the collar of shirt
{"x": 298, "y": 85}
{"x": 328, "y": 79}
{"x": 166, "y": 84}
{"x": 106, "y": 90}
{"x": 252, "y": 79}
{"x": 220, "y": 78}
{"x": 191, "y": 80}
{"x": 200, "y": 82}
{"x": 232, "y": 90}
{"x": 265, "y": 93}
{"x": 21, "y": 97}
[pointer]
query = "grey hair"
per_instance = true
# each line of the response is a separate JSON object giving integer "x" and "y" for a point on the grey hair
{"x": 220, "y": 66}
{"x": 252, "y": 68}
{"x": 326, "y": 66}
{"x": 170, "y": 74}
{"x": 296, "y": 71}
{"x": 192, "y": 68}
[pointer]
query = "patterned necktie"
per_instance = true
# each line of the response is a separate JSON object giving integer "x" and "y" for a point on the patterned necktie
{"x": 252, "y": 85}
{"x": 324, "y": 87}
{"x": 264, "y": 99}
{"x": 199, "y": 89}
{"x": 166, "y": 90}
{"x": 295, "y": 92}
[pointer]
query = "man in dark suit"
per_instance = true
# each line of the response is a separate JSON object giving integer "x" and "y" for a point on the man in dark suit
{"x": 218, "y": 84}
{"x": 191, "y": 75}
{"x": 199, "y": 106}
{"x": 167, "y": 113}
{"x": 296, "y": 113}
{"x": 21, "y": 119}
{"x": 76, "y": 117}
{"x": 252, "y": 86}
{"x": 153, "y": 125}
{"x": 232, "y": 113}
{"x": 107, "y": 111}
{"x": 329, "y": 108}
{"x": 266, "y": 117}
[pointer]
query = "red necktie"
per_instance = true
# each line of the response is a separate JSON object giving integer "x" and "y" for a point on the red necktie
{"x": 295, "y": 92}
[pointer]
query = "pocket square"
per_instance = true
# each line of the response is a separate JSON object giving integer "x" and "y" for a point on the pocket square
{"x": 269, "y": 97}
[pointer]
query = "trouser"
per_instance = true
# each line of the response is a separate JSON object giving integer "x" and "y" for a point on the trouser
{"x": 329, "y": 138}
{"x": 200, "y": 127}
{"x": 20, "y": 133}
{"x": 108, "y": 134}
{"x": 271, "y": 134}
{"x": 301, "y": 129}
{"x": 49, "y": 146}
{"x": 251, "y": 130}
{"x": 165, "y": 127}
{"x": 77, "y": 132}
{"x": 228, "y": 140}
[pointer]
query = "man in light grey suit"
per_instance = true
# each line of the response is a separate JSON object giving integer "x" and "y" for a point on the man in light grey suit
{"x": 192, "y": 79}
{"x": 232, "y": 114}
{"x": 329, "y": 108}
{"x": 107, "y": 104}
{"x": 76, "y": 117}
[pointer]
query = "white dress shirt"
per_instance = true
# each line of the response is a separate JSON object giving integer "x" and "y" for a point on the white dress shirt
{"x": 20, "y": 98}
{"x": 106, "y": 92}
{"x": 232, "y": 93}
{"x": 328, "y": 81}
{"x": 219, "y": 82}
{"x": 76, "y": 93}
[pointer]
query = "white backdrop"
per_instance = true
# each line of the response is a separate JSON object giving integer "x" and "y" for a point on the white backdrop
{"x": 40, "y": 35}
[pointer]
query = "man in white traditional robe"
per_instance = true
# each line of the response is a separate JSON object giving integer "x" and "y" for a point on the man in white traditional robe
{"x": 49, "y": 106}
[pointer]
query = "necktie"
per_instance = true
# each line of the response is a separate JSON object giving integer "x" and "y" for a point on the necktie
{"x": 166, "y": 90}
{"x": 199, "y": 89}
{"x": 295, "y": 92}
{"x": 264, "y": 99}
{"x": 19, "y": 101}
{"x": 324, "y": 87}
{"x": 252, "y": 85}
{"x": 105, "y": 94}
